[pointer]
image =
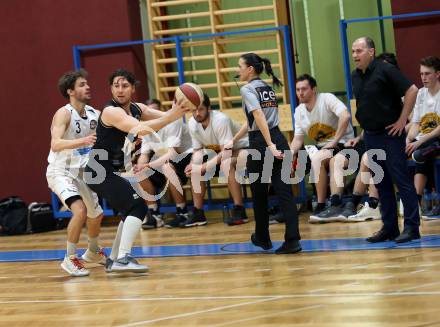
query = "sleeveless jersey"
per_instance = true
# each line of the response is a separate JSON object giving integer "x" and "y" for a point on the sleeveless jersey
{"x": 78, "y": 127}
{"x": 112, "y": 140}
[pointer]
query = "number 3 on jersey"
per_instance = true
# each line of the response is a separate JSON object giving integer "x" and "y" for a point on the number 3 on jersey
{"x": 78, "y": 130}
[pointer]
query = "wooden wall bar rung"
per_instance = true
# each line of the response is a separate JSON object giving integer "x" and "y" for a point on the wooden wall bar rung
{"x": 175, "y": 3}
{"x": 270, "y": 22}
{"x": 182, "y": 16}
{"x": 188, "y": 73}
{"x": 183, "y": 30}
{"x": 243, "y": 10}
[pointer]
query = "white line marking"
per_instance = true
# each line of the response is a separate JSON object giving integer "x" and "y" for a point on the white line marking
{"x": 417, "y": 271}
{"x": 231, "y": 270}
{"x": 393, "y": 266}
{"x": 417, "y": 286}
{"x": 318, "y": 290}
{"x": 269, "y": 315}
{"x": 288, "y": 296}
{"x": 385, "y": 277}
{"x": 201, "y": 272}
{"x": 188, "y": 314}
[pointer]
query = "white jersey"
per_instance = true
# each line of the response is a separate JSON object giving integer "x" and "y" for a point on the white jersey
{"x": 426, "y": 111}
{"x": 78, "y": 127}
{"x": 321, "y": 123}
{"x": 173, "y": 135}
{"x": 220, "y": 131}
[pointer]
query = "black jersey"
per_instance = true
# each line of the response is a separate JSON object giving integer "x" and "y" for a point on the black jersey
{"x": 112, "y": 140}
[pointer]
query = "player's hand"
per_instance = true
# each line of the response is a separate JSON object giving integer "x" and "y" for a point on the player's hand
{"x": 229, "y": 145}
{"x": 397, "y": 128}
{"x": 352, "y": 142}
{"x": 137, "y": 168}
{"x": 276, "y": 153}
{"x": 411, "y": 147}
{"x": 89, "y": 140}
{"x": 188, "y": 170}
{"x": 330, "y": 145}
{"x": 179, "y": 108}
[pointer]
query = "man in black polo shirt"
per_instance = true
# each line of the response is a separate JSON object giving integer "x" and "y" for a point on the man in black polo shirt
{"x": 378, "y": 88}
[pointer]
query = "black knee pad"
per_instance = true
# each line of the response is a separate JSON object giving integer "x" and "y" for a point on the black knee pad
{"x": 139, "y": 209}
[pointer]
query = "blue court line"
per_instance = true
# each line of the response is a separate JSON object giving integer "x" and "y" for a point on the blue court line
{"x": 331, "y": 245}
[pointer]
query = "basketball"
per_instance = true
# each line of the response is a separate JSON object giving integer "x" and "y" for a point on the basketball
{"x": 191, "y": 93}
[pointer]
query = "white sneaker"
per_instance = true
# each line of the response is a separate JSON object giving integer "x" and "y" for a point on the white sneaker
{"x": 125, "y": 264}
{"x": 95, "y": 257}
{"x": 74, "y": 267}
{"x": 366, "y": 213}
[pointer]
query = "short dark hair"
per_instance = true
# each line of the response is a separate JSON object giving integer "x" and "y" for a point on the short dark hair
{"x": 388, "y": 57}
{"x": 68, "y": 80}
{"x": 206, "y": 101}
{"x": 129, "y": 76}
{"x": 152, "y": 101}
{"x": 431, "y": 62}
{"x": 309, "y": 78}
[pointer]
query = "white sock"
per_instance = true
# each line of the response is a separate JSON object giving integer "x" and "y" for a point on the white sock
{"x": 116, "y": 242}
{"x": 132, "y": 226}
{"x": 93, "y": 244}
{"x": 71, "y": 249}
{"x": 180, "y": 205}
{"x": 153, "y": 206}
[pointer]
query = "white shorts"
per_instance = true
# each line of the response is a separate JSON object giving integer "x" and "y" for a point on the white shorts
{"x": 65, "y": 185}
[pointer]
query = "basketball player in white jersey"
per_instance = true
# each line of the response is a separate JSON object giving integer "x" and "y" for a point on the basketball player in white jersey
{"x": 73, "y": 135}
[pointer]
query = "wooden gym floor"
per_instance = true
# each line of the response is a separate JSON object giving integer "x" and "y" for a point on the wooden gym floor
{"x": 339, "y": 280}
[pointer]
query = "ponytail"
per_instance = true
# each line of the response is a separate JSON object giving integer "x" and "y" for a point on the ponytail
{"x": 254, "y": 60}
{"x": 269, "y": 71}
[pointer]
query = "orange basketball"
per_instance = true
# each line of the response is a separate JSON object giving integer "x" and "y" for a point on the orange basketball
{"x": 191, "y": 94}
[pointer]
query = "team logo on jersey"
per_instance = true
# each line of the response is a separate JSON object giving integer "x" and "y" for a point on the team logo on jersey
{"x": 93, "y": 124}
{"x": 429, "y": 122}
{"x": 321, "y": 132}
{"x": 213, "y": 147}
{"x": 267, "y": 97}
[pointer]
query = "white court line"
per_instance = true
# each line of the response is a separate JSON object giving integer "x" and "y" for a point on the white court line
{"x": 287, "y": 296}
{"x": 385, "y": 277}
{"x": 188, "y": 314}
{"x": 417, "y": 271}
{"x": 269, "y": 315}
{"x": 416, "y": 287}
{"x": 318, "y": 290}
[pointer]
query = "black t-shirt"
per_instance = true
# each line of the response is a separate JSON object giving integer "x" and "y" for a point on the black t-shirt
{"x": 112, "y": 140}
{"x": 378, "y": 94}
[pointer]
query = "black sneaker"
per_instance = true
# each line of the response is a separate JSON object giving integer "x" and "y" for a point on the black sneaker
{"x": 178, "y": 221}
{"x": 347, "y": 210}
{"x": 331, "y": 214}
{"x": 238, "y": 216}
{"x": 276, "y": 216}
{"x": 196, "y": 218}
{"x": 154, "y": 219}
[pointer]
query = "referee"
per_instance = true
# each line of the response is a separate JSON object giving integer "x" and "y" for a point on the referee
{"x": 378, "y": 88}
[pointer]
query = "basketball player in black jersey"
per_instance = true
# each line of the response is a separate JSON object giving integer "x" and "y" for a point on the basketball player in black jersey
{"x": 120, "y": 120}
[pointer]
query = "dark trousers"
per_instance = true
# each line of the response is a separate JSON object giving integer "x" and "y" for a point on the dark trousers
{"x": 260, "y": 188}
{"x": 395, "y": 172}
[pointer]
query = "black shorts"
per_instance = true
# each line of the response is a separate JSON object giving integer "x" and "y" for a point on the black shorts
{"x": 119, "y": 193}
{"x": 359, "y": 148}
{"x": 159, "y": 180}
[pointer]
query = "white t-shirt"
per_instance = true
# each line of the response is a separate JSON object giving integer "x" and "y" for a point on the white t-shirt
{"x": 173, "y": 135}
{"x": 220, "y": 131}
{"x": 426, "y": 111}
{"x": 78, "y": 127}
{"x": 321, "y": 123}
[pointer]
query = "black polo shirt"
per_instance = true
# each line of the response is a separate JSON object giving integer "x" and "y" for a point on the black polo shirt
{"x": 378, "y": 94}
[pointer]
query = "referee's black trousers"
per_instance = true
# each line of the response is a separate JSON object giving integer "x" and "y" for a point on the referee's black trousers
{"x": 260, "y": 187}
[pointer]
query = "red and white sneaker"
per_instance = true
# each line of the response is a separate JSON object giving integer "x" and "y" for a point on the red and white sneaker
{"x": 74, "y": 267}
{"x": 95, "y": 257}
